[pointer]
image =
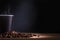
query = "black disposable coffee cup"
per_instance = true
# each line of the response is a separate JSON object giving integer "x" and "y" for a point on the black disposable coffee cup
{"x": 5, "y": 23}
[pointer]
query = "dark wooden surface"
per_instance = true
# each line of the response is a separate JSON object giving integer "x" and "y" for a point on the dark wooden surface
{"x": 34, "y": 39}
{"x": 49, "y": 37}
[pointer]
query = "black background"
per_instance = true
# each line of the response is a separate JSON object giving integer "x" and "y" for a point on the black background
{"x": 31, "y": 16}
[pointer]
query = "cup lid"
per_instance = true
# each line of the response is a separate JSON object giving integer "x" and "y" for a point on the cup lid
{"x": 6, "y": 15}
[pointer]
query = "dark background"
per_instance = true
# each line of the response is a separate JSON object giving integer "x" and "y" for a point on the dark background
{"x": 31, "y": 15}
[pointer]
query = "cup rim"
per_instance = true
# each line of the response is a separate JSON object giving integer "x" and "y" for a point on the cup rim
{"x": 6, "y": 15}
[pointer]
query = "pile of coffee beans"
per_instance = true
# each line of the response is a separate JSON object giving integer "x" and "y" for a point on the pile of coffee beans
{"x": 14, "y": 34}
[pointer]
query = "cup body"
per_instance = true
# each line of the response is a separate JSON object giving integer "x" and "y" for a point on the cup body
{"x": 5, "y": 23}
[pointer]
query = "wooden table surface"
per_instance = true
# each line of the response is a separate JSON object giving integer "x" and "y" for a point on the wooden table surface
{"x": 46, "y": 36}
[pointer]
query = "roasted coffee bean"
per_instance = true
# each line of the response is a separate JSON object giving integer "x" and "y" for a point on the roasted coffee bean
{"x": 14, "y": 34}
